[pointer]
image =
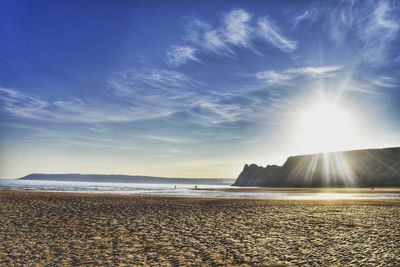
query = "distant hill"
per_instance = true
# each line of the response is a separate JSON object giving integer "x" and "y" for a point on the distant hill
{"x": 356, "y": 168}
{"x": 116, "y": 178}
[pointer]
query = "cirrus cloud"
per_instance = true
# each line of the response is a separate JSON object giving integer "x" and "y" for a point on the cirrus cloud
{"x": 286, "y": 77}
{"x": 237, "y": 29}
{"x": 368, "y": 25}
{"x": 178, "y": 55}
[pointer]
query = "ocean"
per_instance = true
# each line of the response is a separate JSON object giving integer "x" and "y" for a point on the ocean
{"x": 176, "y": 189}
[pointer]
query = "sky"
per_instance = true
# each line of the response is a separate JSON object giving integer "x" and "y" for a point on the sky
{"x": 191, "y": 88}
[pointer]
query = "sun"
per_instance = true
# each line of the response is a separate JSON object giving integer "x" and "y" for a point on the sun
{"x": 324, "y": 127}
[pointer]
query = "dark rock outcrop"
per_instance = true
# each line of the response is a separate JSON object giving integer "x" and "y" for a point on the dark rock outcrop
{"x": 356, "y": 168}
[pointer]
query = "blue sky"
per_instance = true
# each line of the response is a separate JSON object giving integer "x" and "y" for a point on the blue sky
{"x": 188, "y": 89}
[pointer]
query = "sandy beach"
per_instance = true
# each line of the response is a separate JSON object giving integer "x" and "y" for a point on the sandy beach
{"x": 349, "y": 190}
{"x": 60, "y": 229}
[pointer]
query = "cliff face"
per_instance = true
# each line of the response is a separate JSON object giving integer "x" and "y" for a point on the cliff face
{"x": 357, "y": 168}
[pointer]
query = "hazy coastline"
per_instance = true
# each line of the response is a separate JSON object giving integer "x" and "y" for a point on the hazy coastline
{"x": 121, "y": 178}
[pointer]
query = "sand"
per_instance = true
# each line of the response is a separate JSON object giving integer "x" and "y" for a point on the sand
{"x": 350, "y": 190}
{"x": 60, "y": 229}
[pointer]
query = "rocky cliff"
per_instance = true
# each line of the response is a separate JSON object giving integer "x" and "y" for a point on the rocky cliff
{"x": 356, "y": 168}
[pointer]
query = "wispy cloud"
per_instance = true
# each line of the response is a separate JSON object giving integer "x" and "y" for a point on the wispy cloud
{"x": 141, "y": 94}
{"x": 233, "y": 30}
{"x": 156, "y": 91}
{"x": 181, "y": 99}
{"x": 70, "y": 137}
{"x": 307, "y": 16}
{"x": 385, "y": 82}
{"x": 272, "y": 35}
{"x": 236, "y": 29}
{"x": 77, "y": 110}
{"x": 376, "y": 86}
{"x": 315, "y": 71}
{"x": 370, "y": 26}
{"x": 286, "y": 77}
{"x": 149, "y": 81}
{"x": 135, "y": 95}
{"x": 334, "y": 80}
{"x": 20, "y": 104}
{"x": 164, "y": 139}
{"x": 381, "y": 29}
{"x": 179, "y": 55}
{"x": 274, "y": 77}
{"x": 361, "y": 88}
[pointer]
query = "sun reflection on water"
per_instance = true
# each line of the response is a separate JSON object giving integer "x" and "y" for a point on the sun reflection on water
{"x": 326, "y": 196}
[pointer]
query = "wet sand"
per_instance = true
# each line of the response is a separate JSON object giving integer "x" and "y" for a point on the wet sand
{"x": 60, "y": 229}
{"x": 391, "y": 190}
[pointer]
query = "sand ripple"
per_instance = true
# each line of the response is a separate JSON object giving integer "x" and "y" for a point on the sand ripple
{"x": 76, "y": 229}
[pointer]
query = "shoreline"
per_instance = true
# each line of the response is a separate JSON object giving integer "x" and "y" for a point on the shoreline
{"x": 133, "y": 197}
{"x": 300, "y": 194}
{"x": 343, "y": 190}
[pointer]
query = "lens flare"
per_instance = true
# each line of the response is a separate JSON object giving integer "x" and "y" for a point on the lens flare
{"x": 325, "y": 127}
{"x": 320, "y": 128}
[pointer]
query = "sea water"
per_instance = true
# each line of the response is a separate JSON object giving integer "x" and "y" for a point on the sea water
{"x": 176, "y": 189}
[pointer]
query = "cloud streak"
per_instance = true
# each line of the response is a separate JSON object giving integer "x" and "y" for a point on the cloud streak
{"x": 179, "y": 55}
{"x": 149, "y": 81}
{"x": 272, "y": 35}
{"x": 369, "y": 25}
{"x": 142, "y": 94}
{"x": 72, "y": 110}
{"x": 164, "y": 139}
{"x": 236, "y": 29}
{"x": 286, "y": 77}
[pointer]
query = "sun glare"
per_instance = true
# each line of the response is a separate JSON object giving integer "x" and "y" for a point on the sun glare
{"x": 325, "y": 127}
